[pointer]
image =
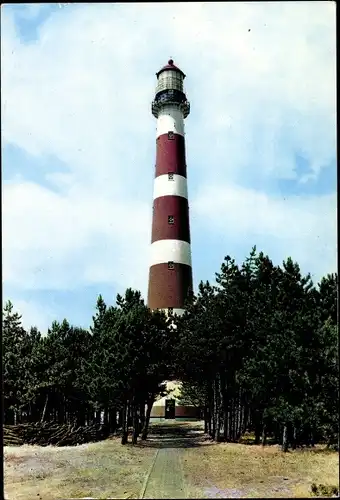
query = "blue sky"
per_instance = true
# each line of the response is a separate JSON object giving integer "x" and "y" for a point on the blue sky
{"x": 78, "y": 142}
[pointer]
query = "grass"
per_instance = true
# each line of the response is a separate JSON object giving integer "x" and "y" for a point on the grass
{"x": 109, "y": 470}
{"x": 101, "y": 470}
{"x": 237, "y": 470}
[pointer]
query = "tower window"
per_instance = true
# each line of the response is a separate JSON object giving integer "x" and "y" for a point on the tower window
{"x": 171, "y": 219}
{"x": 171, "y": 265}
{"x": 171, "y": 135}
{"x": 170, "y": 176}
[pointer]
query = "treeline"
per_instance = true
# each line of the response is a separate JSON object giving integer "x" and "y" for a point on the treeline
{"x": 257, "y": 352}
{"x": 73, "y": 375}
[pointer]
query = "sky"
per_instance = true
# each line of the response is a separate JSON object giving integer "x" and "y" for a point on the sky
{"x": 79, "y": 142}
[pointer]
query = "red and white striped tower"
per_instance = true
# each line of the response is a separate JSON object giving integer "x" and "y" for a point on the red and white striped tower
{"x": 170, "y": 276}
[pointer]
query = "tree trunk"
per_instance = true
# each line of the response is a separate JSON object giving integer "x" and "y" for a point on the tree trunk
{"x": 258, "y": 428}
{"x": 81, "y": 417}
{"x": 44, "y": 410}
{"x": 112, "y": 420}
{"x": 237, "y": 417}
{"x": 145, "y": 430}
{"x": 294, "y": 438}
{"x": 90, "y": 417}
{"x": 120, "y": 418}
{"x": 225, "y": 422}
{"x": 135, "y": 423}
{"x": 234, "y": 414}
{"x": 9, "y": 417}
{"x": 211, "y": 422}
{"x": 230, "y": 423}
{"x": 141, "y": 416}
{"x": 218, "y": 425}
{"x": 285, "y": 438}
{"x": 124, "y": 423}
{"x": 220, "y": 404}
{"x": 257, "y": 434}
{"x": 206, "y": 419}
{"x": 129, "y": 415}
{"x": 106, "y": 417}
{"x": 245, "y": 419}
{"x": 241, "y": 414}
{"x": 277, "y": 435}
{"x": 61, "y": 410}
{"x": 264, "y": 434}
{"x": 241, "y": 422}
{"x": 215, "y": 411}
{"x": 210, "y": 413}
{"x": 98, "y": 416}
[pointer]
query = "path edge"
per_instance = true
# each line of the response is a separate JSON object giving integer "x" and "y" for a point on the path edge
{"x": 146, "y": 479}
{"x": 185, "y": 489}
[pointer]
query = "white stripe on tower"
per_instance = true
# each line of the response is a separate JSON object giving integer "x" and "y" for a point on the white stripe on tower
{"x": 177, "y": 251}
{"x": 179, "y": 312}
{"x": 175, "y": 186}
{"x": 170, "y": 119}
{"x": 175, "y": 310}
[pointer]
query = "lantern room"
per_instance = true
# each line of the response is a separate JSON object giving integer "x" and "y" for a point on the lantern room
{"x": 169, "y": 89}
{"x": 170, "y": 77}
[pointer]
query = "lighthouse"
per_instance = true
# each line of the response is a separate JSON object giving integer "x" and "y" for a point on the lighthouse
{"x": 170, "y": 274}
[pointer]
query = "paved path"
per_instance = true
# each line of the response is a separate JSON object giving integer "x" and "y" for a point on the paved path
{"x": 165, "y": 479}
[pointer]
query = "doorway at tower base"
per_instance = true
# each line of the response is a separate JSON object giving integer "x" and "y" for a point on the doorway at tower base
{"x": 168, "y": 407}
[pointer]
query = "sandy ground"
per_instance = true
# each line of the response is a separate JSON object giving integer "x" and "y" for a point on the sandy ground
{"x": 98, "y": 470}
{"x": 249, "y": 471}
{"x": 177, "y": 461}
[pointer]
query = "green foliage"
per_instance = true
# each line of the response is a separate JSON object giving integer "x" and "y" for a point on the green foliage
{"x": 258, "y": 350}
{"x": 324, "y": 490}
{"x": 263, "y": 341}
{"x": 16, "y": 359}
{"x": 193, "y": 394}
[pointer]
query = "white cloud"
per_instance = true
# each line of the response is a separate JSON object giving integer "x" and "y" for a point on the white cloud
{"x": 52, "y": 241}
{"x": 301, "y": 227}
{"x": 261, "y": 81}
{"x": 80, "y": 95}
{"x": 32, "y": 314}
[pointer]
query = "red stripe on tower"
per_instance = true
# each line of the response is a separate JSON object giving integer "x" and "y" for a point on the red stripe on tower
{"x": 170, "y": 276}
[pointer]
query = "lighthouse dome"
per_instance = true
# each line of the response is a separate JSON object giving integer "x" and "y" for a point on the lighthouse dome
{"x": 170, "y": 67}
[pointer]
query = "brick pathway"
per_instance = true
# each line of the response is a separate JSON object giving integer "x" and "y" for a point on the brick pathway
{"x": 166, "y": 478}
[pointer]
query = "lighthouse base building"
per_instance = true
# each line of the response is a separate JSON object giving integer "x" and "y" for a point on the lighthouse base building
{"x": 169, "y": 408}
